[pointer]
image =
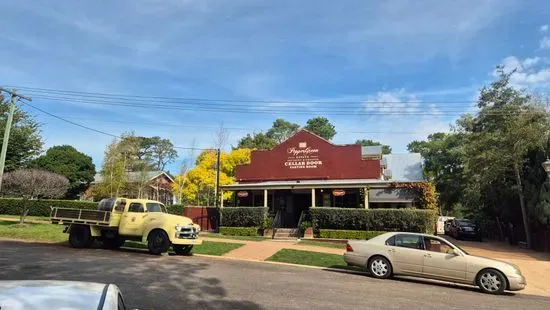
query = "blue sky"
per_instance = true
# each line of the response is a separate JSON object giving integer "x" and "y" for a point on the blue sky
{"x": 378, "y": 59}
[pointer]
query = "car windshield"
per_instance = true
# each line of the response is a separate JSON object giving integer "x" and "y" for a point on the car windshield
{"x": 155, "y": 207}
{"x": 465, "y": 223}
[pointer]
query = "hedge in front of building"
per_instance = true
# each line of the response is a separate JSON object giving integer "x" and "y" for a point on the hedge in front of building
{"x": 243, "y": 216}
{"x": 348, "y": 234}
{"x": 410, "y": 220}
{"x": 241, "y": 231}
{"x": 41, "y": 207}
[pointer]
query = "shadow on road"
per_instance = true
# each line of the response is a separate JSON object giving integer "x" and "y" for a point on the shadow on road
{"x": 148, "y": 282}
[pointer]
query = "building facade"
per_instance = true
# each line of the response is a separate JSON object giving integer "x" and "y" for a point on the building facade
{"x": 307, "y": 171}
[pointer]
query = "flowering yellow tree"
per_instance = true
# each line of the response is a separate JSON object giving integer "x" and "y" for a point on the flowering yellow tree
{"x": 197, "y": 186}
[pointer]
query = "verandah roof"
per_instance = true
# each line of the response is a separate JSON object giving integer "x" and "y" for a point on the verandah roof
{"x": 346, "y": 183}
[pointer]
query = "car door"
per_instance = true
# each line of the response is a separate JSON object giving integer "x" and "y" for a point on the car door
{"x": 406, "y": 253}
{"x": 131, "y": 223}
{"x": 440, "y": 261}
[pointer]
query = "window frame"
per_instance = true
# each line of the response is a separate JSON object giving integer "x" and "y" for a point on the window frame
{"x": 136, "y": 203}
{"x": 442, "y": 241}
{"x": 420, "y": 237}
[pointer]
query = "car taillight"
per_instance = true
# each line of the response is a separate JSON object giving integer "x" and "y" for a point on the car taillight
{"x": 349, "y": 248}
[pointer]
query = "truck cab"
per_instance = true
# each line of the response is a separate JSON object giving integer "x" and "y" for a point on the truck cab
{"x": 121, "y": 219}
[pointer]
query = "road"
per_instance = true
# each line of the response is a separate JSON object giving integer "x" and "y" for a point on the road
{"x": 174, "y": 282}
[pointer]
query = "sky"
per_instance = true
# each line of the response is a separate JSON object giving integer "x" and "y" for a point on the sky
{"x": 391, "y": 71}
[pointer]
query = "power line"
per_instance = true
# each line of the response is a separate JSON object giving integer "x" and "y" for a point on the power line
{"x": 133, "y": 97}
{"x": 100, "y": 131}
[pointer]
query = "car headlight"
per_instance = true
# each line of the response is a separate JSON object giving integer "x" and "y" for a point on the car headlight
{"x": 178, "y": 227}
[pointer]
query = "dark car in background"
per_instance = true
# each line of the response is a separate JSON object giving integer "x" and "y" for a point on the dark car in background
{"x": 465, "y": 229}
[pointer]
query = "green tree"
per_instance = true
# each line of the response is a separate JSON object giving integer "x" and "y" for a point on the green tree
{"x": 509, "y": 125}
{"x": 256, "y": 141}
{"x": 25, "y": 140}
{"x": 386, "y": 149}
{"x": 65, "y": 160}
{"x": 322, "y": 127}
{"x": 444, "y": 160}
{"x": 282, "y": 130}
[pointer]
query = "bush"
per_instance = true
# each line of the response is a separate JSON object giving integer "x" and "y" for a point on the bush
{"x": 241, "y": 231}
{"x": 410, "y": 220}
{"x": 175, "y": 209}
{"x": 348, "y": 234}
{"x": 243, "y": 216}
{"x": 13, "y": 206}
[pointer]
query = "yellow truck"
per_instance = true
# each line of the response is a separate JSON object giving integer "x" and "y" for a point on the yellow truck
{"x": 119, "y": 219}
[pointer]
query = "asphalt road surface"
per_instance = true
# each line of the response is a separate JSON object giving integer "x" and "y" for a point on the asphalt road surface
{"x": 174, "y": 282}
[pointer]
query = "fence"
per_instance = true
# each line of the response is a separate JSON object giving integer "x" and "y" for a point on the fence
{"x": 206, "y": 217}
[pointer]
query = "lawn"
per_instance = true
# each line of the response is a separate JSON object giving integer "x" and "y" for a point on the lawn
{"x": 39, "y": 232}
{"x": 16, "y": 217}
{"x": 207, "y": 247}
{"x": 334, "y": 245}
{"x": 244, "y": 238}
{"x": 54, "y": 233}
{"x": 312, "y": 259}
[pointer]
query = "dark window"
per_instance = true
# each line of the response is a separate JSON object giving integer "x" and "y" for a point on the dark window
{"x": 136, "y": 207}
{"x": 391, "y": 241}
{"x": 121, "y": 305}
{"x": 408, "y": 241}
{"x": 155, "y": 207}
{"x": 120, "y": 205}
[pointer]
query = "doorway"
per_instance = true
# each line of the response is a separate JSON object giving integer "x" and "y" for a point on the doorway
{"x": 291, "y": 204}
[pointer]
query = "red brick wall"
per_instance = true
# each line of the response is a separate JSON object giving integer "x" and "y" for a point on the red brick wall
{"x": 306, "y": 156}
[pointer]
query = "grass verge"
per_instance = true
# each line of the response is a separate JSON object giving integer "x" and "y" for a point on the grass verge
{"x": 54, "y": 233}
{"x": 334, "y": 245}
{"x": 39, "y": 232}
{"x": 244, "y": 238}
{"x": 16, "y": 217}
{"x": 309, "y": 258}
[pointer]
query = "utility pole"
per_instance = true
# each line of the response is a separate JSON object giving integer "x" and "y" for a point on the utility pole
{"x": 217, "y": 189}
{"x": 13, "y": 100}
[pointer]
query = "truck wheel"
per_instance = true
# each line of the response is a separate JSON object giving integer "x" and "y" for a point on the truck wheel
{"x": 80, "y": 237}
{"x": 158, "y": 242}
{"x": 182, "y": 249}
{"x": 113, "y": 243}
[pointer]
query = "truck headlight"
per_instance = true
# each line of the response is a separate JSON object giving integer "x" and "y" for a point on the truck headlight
{"x": 178, "y": 227}
{"x": 197, "y": 228}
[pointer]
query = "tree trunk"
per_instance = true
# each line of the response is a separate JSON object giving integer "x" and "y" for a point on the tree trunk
{"x": 522, "y": 204}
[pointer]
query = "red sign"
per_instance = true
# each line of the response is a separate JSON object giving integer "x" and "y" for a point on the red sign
{"x": 242, "y": 194}
{"x": 306, "y": 156}
{"x": 338, "y": 192}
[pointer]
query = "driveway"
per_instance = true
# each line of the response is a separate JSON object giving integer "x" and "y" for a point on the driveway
{"x": 535, "y": 266}
{"x": 174, "y": 282}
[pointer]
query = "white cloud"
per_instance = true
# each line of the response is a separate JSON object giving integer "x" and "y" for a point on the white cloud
{"x": 545, "y": 43}
{"x": 530, "y": 72}
{"x": 544, "y": 28}
{"x": 392, "y": 102}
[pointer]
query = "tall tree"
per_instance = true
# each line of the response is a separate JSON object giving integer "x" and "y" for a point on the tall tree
{"x": 65, "y": 160}
{"x": 322, "y": 127}
{"x": 282, "y": 130}
{"x": 25, "y": 140}
{"x": 256, "y": 141}
{"x": 386, "y": 149}
{"x": 33, "y": 184}
{"x": 507, "y": 127}
{"x": 163, "y": 154}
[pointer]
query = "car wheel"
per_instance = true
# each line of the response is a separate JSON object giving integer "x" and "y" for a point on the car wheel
{"x": 80, "y": 237}
{"x": 379, "y": 267}
{"x": 158, "y": 242}
{"x": 182, "y": 249}
{"x": 491, "y": 281}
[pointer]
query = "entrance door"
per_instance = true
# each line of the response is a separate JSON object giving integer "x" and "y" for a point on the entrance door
{"x": 131, "y": 223}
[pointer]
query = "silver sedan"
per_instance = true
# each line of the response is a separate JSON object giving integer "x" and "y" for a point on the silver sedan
{"x": 427, "y": 256}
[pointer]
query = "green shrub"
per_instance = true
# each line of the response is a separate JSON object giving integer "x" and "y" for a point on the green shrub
{"x": 241, "y": 231}
{"x": 410, "y": 220}
{"x": 175, "y": 209}
{"x": 348, "y": 234}
{"x": 13, "y": 206}
{"x": 243, "y": 216}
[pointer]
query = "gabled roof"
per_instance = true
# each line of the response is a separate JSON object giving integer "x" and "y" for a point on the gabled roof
{"x": 139, "y": 176}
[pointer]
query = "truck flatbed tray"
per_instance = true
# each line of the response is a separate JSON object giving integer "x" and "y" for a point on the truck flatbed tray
{"x": 80, "y": 216}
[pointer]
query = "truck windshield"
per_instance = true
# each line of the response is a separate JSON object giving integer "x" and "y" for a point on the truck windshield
{"x": 155, "y": 207}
